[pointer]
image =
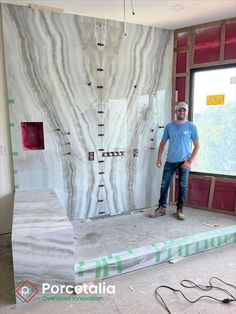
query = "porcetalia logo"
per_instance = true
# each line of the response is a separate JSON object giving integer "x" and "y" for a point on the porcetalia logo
{"x": 26, "y": 291}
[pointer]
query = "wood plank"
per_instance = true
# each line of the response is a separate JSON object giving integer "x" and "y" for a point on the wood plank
{"x": 182, "y": 74}
{"x": 185, "y": 48}
{"x": 184, "y": 29}
{"x": 46, "y": 8}
{"x": 212, "y": 189}
{"x": 222, "y": 42}
{"x": 174, "y": 102}
{"x": 214, "y": 63}
{"x": 191, "y": 49}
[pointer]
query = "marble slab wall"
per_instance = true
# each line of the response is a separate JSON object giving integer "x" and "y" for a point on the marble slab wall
{"x": 97, "y": 91}
{"x": 42, "y": 241}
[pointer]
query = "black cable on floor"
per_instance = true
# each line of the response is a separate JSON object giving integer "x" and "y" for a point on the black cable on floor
{"x": 190, "y": 284}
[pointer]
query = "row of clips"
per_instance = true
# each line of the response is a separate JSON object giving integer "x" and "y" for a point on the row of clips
{"x": 113, "y": 154}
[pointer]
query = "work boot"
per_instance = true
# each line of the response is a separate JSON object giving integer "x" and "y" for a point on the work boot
{"x": 180, "y": 214}
{"x": 159, "y": 211}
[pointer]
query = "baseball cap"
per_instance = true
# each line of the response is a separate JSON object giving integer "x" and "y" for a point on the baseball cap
{"x": 181, "y": 105}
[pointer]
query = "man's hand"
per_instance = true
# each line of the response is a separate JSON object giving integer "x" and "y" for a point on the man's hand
{"x": 186, "y": 164}
{"x": 160, "y": 152}
{"x": 159, "y": 163}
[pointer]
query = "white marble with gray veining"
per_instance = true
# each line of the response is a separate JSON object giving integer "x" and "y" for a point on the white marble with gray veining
{"x": 42, "y": 240}
{"x": 51, "y": 63}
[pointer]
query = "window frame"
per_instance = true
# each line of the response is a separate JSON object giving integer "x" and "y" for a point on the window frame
{"x": 191, "y": 97}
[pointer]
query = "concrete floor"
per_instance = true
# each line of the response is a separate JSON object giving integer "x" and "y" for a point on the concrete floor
{"x": 135, "y": 291}
{"x": 102, "y": 236}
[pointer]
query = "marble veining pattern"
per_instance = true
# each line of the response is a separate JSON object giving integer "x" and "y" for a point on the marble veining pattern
{"x": 42, "y": 240}
{"x": 53, "y": 64}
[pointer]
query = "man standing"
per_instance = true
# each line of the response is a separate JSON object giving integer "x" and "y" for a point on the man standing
{"x": 181, "y": 134}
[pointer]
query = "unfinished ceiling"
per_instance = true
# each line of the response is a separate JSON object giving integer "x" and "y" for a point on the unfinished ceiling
{"x": 170, "y": 14}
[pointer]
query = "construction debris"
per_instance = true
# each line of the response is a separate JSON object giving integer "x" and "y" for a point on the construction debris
{"x": 209, "y": 225}
{"x": 131, "y": 288}
{"x": 176, "y": 260}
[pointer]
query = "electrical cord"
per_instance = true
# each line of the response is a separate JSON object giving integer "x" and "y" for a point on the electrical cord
{"x": 190, "y": 284}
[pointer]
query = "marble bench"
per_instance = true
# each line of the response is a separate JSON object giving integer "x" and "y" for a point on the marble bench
{"x": 42, "y": 241}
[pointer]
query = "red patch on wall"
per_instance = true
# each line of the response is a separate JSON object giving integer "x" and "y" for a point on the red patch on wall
{"x": 32, "y": 135}
{"x": 207, "y": 44}
{"x": 182, "y": 39}
{"x": 224, "y": 196}
{"x": 198, "y": 191}
{"x": 180, "y": 87}
{"x": 230, "y": 41}
{"x": 181, "y": 62}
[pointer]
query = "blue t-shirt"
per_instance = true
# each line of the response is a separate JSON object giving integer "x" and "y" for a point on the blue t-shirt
{"x": 180, "y": 138}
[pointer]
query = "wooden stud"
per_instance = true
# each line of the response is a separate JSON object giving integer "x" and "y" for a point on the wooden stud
{"x": 222, "y": 42}
{"x": 211, "y": 193}
{"x": 182, "y": 74}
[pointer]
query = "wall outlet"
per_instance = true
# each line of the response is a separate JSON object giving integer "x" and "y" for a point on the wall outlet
{"x": 3, "y": 150}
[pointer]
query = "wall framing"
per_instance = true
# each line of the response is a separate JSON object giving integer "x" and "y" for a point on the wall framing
{"x": 226, "y": 41}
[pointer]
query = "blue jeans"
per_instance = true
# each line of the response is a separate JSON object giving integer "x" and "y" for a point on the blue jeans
{"x": 168, "y": 172}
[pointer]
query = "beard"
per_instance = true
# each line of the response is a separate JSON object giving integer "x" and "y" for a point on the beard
{"x": 180, "y": 117}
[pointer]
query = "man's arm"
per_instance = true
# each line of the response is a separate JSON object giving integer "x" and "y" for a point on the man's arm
{"x": 188, "y": 162}
{"x": 160, "y": 152}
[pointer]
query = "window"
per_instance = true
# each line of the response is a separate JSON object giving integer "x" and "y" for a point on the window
{"x": 214, "y": 113}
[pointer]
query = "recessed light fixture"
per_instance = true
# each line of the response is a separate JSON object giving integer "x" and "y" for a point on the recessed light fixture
{"x": 178, "y": 7}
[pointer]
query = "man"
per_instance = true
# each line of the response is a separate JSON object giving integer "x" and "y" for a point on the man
{"x": 181, "y": 134}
